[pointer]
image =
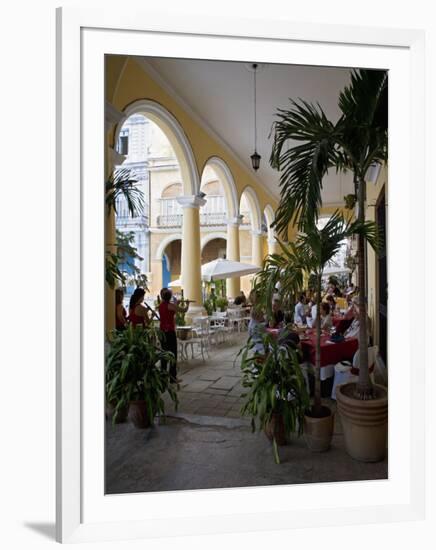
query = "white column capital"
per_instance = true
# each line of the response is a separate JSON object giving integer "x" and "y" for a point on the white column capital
{"x": 235, "y": 221}
{"x": 191, "y": 201}
{"x": 273, "y": 241}
{"x": 258, "y": 233}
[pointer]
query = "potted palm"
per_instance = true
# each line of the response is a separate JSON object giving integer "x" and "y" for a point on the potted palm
{"x": 356, "y": 141}
{"x": 134, "y": 378}
{"x": 317, "y": 248}
{"x": 312, "y": 252}
{"x": 276, "y": 395}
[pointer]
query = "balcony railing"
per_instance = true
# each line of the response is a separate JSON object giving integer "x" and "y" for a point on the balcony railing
{"x": 206, "y": 219}
{"x": 126, "y": 219}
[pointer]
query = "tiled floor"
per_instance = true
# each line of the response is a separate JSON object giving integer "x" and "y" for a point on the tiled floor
{"x": 212, "y": 387}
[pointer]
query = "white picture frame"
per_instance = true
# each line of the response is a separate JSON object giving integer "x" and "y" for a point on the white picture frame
{"x": 83, "y": 512}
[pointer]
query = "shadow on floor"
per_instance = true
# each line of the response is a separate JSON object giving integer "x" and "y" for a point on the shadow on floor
{"x": 47, "y": 530}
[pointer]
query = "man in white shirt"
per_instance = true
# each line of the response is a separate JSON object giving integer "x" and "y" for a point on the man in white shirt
{"x": 300, "y": 311}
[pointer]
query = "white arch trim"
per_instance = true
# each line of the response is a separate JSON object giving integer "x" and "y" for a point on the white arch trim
{"x": 270, "y": 217}
{"x": 225, "y": 176}
{"x": 210, "y": 237}
{"x": 253, "y": 203}
{"x": 168, "y": 240}
{"x": 176, "y": 136}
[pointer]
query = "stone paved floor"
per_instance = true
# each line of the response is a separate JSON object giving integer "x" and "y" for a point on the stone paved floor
{"x": 200, "y": 452}
{"x": 207, "y": 444}
{"x": 211, "y": 387}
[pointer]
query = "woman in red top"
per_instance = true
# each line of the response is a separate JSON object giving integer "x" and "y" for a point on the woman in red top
{"x": 167, "y": 314}
{"x": 138, "y": 314}
{"x": 120, "y": 312}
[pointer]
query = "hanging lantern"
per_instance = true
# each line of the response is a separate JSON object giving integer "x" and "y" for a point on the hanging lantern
{"x": 255, "y": 160}
{"x": 255, "y": 157}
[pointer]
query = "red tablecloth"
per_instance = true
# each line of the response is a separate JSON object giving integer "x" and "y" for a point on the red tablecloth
{"x": 330, "y": 353}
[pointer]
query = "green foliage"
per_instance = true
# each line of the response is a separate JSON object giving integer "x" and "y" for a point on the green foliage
{"x": 180, "y": 319}
{"x": 208, "y": 306}
{"x": 132, "y": 371}
{"x": 222, "y": 303}
{"x": 358, "y": 139}
{"x": 126, "y": 252}
{"x": 286, "y": 268}
{"x": 113, "y": 275}
{"x": 350, "y": 201}
{"x": 312, "y": 282}
{"x": 122, "y": 184}
{"x": 275, "y": 385}
{"x": 317, "y": 247}
{"x": 333, "y": 280}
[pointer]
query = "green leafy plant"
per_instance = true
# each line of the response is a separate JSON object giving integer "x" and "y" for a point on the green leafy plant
{"x": 208, "y": 306}
{"x": 133, "y": 371}
{"x": 180, "y": 317}
{"x": 121, "y": 184}
{"x": 222, "y": 303}
{"x": 310, "y": 253}
{"x": 113, "y": 275}
{"x": 275, "y": 386}
{"x": 356, "y": 141}
{"x": 316, "y": 248}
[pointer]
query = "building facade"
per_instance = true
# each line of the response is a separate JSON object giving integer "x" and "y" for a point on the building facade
{"x": 158, "y": 231}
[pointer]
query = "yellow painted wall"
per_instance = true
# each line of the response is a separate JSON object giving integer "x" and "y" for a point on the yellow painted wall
{"x": 133, "y": 83}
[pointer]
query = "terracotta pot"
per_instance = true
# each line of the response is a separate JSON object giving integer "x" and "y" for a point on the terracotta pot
{"x": 318, "y": 432}
{"x": 138, "y": 414}
{"x": 122, "y": 415}
{"x": 365, "y": 423}
{"x": 276, "y": 429}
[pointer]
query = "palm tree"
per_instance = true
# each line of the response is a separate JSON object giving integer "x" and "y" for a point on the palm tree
{"x": 121, "y": 184}
{"x": 312, "y": 252}
{"x": 355, "y": 142}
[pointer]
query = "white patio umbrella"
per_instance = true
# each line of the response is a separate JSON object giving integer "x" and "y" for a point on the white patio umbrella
{"x": 335, "y": 270}
{"x": 225, "y": 269}
{"x": 221, "y": 269}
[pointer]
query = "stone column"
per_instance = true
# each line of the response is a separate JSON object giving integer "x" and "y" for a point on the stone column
{"x": 191, "y": 250}
{"x": 233, "y": 253}
{"x": 257, "y": 241}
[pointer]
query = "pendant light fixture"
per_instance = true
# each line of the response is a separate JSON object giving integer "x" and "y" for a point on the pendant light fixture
{"x": 255, "y": 157}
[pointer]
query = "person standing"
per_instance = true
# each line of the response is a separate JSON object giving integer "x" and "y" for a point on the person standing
{"x": 300, "y": 311}
{"x": 167, "y": 314}
{"x": 120, "y": 311}
{"x": 138, "y": 313}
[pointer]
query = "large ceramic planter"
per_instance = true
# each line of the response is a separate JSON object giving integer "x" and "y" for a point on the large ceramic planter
{"x": 318, "y": 432}
{"x": 275, "y": 429}
{"x": 138, "y": 414}
{"x": 364, "y": 423}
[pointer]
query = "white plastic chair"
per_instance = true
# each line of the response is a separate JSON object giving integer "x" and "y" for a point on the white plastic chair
{"x": 219, "y": 326}
{"x": 343, "y": 373}
{"x": 235, "y": 318}
{"x": 201, "y": 335}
